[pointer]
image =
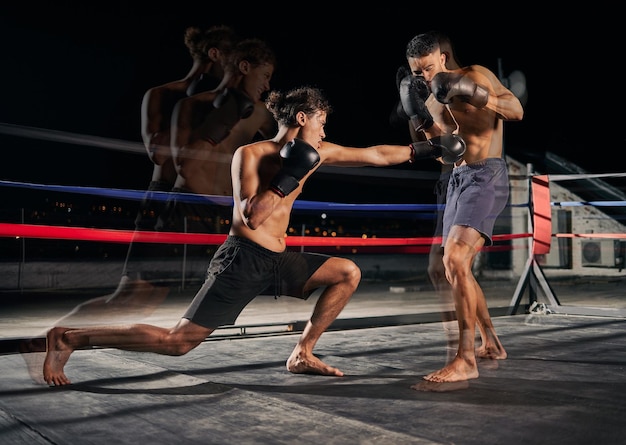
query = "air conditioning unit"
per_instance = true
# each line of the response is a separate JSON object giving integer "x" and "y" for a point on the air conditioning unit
{"x": 603, "y": 253}
{"x": 560, "y": 255}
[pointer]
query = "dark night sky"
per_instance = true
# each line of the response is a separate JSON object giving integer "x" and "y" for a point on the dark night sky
{"x": 84, "y": 69}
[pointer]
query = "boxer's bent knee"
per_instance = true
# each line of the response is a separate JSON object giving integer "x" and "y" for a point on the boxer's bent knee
{"x": 349, "y": 270}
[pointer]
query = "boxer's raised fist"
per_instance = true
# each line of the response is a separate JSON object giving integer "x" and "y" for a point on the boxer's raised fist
{"x": 449, "y": 147}
{"x": 413, "y": 94}
{"x": 298, "y": 158}
{"x": 446, "y": 85}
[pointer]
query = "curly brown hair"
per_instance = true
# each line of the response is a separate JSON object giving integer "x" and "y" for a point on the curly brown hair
{"x": 285, "y": 106}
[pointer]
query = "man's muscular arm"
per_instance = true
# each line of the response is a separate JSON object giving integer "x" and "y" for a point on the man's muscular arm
{"x": 479, "y": 87}
{"x": 376, "y": 155}
{"x": 501, "y": 100}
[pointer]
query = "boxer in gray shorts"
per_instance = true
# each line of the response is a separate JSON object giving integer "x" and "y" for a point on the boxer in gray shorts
{"x": 477, "y": 194}
{"x": 468, "y": 104}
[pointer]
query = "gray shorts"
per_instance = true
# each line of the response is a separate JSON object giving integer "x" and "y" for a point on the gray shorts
{"x": 477, "y": 194}
{"x": 240, "y": 270}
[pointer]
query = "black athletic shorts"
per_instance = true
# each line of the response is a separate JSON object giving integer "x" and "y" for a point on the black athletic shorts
{"x": 240, "y": 270}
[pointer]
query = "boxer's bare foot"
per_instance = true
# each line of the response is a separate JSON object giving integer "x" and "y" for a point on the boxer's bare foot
{"x": 56, "y": 357}
{"x": 491, "y": 351}
{"x": 299, "y": 364}
{"x": 456, "y": 371}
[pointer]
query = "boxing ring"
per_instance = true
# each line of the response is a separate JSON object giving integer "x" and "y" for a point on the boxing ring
{"x": 388, "y": 336}
{"x": 526, "y": 235}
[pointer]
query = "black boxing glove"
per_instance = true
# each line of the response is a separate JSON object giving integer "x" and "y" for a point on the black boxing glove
{"x": 449, "y": 147}
{"x": 230, "y": 106}
{"x": 298, "y": 159}
{"x": 402, "y": 72}
{"x": 413, "y": 92}
{"x": 445, "y": 86}
{"x": 397, "y": 117}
